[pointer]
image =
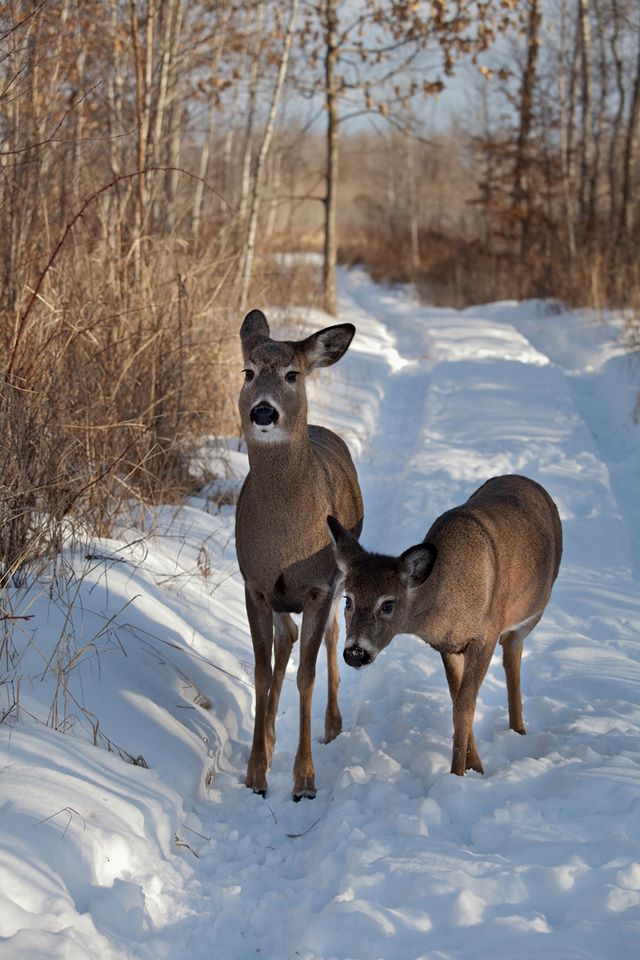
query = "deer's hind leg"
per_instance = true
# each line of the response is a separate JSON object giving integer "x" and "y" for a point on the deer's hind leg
{"x": 512, "y": 643}
{"x": 332, "y": 717}
{"x": 286, "y": 634}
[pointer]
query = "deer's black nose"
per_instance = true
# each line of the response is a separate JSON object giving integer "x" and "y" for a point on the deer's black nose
{"x": 356, "y": 656}
{"x": 263, "y": 414}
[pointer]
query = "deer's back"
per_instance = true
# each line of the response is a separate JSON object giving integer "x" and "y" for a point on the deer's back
{"x": 341, "y": 480}
{"x": 498, "y": 557}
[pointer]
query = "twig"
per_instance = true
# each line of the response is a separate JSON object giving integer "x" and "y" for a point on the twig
{"x": 21, "y": 23}
{"x": 296, "y": 836}
{"x": 52, "y": 137}
{"x": 182, "y": 843}
{"x": 9, "y": 711}
{"x": 195, "y": 833}
{"x": 105, "y": 559}
{"x": 71, "y": 812}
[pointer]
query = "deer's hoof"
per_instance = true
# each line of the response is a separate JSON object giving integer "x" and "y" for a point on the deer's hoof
{"x": 459, "y": 769}
{"x": 304, "y": 788}
{"x": 474, "y": 765}
{"x": 258, "y": 789}
{"x": 303, "y": 795}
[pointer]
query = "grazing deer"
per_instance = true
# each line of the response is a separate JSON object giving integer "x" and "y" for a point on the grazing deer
{"x": 483, "y": 573}
{"x": 298, "y": 474}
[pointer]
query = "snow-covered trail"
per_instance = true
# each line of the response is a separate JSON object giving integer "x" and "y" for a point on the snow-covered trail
{"x": 395, "y": 859}
{"x": 401, "y": 860}
{"x": 422, "y": 864}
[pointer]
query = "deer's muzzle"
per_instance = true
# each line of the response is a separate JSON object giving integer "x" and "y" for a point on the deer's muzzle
{"x": 263, "y": 414}
{"x": 357, "y": 656}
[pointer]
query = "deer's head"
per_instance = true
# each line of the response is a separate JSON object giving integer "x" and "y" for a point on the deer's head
{"x": 379, "y": 591}
{"x": 273, "y": 400}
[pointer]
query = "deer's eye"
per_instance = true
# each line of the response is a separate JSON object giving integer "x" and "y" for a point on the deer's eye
{"x": 248, "y": 375}
{"x": 348, "y": 602}
{"x": 291, "y": 376}
{"x": 387, "y": 607}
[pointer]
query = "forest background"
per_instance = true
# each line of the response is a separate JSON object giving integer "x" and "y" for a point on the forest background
{"x": 160, "y": 159}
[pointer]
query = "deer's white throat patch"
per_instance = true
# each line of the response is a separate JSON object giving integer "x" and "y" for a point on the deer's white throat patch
{"x": 269, "y": 433}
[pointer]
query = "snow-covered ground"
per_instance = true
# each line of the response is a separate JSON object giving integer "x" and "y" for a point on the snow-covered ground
{"x": 140, "y": 645}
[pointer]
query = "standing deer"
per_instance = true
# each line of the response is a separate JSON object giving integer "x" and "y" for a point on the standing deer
{"x": 298, "y": 474}
{"x": 483, "y": 573}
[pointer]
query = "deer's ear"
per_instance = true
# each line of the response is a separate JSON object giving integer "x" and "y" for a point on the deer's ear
{"x": 416, "y": 564}
{"x": 346, "y": 548}
{"x": 254, "y": 327}
{"x": 326, "y": 346}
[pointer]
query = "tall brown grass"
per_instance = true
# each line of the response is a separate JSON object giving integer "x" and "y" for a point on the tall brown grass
{"x": 109, "y": 386}
{"x": 455, "y": 270}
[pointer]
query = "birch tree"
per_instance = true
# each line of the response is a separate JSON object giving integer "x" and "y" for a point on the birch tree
{"x": 263, "y": 152}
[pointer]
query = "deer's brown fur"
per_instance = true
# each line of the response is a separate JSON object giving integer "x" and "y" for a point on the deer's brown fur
{"x": 298, "y": 474}
{"x": 483, "y": 574}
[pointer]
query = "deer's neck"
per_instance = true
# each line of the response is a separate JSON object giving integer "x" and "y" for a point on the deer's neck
{"x": 280, "y": 467}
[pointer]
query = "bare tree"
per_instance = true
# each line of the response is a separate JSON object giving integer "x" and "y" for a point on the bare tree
{"x": 263, "y": 152}
{"x": 584, "y": 37}
{"x": 375, "y": 59}
{"x": 521, "y": 185}
{"x": 630, "y": 142}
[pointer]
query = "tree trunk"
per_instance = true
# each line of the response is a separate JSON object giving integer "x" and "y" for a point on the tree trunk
{"x": 521, "y": 184}
{"x": 600, "y": 123}
{"x": 627, "y": 161}
{"x": 143, "y": 76}
{"x": 117, "y": 200}
{"x": 330, "y": 220}
{"x": 206, "y": 151}
{"x": 176, "y": 115}
{"x": 274, "y": 180}
{"x": 198, "y": 193}
{"x": 414, "y": 210}
{"x": 566, "y": 114}
{"x": 256, "y": 192}
{"x": 617, "y": 120}
{"x": 247, "y": 151}
{"x": 584, "y": 32}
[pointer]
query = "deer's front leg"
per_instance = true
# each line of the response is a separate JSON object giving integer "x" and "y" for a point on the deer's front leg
{"x": 332, "y": 717}
{"x": 453, "y": 668}
{"x": 477, "y": 658}
{"x": 314, "y": 622}
{"x": 260, "y": 618}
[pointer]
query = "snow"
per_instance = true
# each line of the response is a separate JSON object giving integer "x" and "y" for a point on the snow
{"x": 139, "y": 651}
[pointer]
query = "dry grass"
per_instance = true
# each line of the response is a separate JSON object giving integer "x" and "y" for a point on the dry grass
{"x": 111, "y": 387}
{"x": 456, "y": 271}
{"x": 100, "y": 400}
